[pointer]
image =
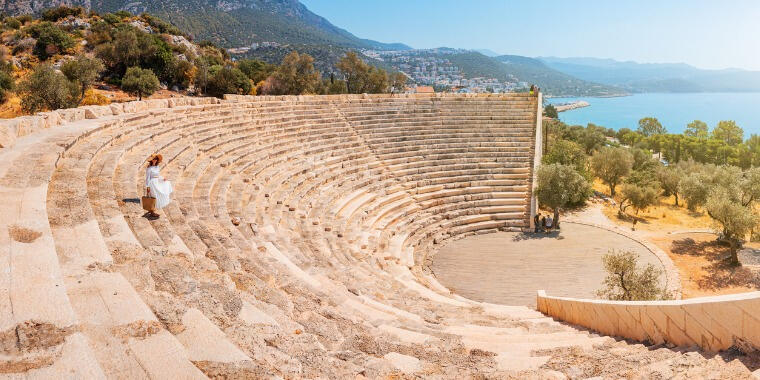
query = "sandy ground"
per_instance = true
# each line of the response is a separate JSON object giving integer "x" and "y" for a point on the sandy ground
{"x": 702, "y": 266}
{"x": 688, "y": 239}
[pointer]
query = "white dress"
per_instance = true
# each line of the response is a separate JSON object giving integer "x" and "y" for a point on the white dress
{"x": 159, "y": 189}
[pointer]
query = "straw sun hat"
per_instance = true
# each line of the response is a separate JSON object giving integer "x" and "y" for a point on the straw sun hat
{"x": 160, "y": 158}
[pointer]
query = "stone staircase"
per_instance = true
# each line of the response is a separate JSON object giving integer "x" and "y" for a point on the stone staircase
{"x": 295, "y": 246}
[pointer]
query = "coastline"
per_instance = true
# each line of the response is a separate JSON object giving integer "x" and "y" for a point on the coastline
{"x": 572, "y": 105}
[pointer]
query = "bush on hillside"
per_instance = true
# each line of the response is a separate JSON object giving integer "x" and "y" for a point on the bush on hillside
{"x": 12, "y": 22}
{"x": 83, "y": 70}
{"x": 94, "y": 98}
{"x": 361, "y": 77}
{"x": 24, "y": 19}
{"x": 336, "y": 86}
{"x": 6, "y": 84}
{"x": 139, "y": 82}
{"x": 550, "y": 111}
{"x": 295, "y": 76}
{"x": 51, "y": 40}
{"x": 161, "y": 26}
{"x": 111, "y": 18}
{"x": 55, "y": 14}
{"x": 131, "y": 47}
{"x": 256, "y": 70}
{"x": 611, "y": 165}
{"x": 182, "y": 73}
{"x": 228, "y": 80}
{"x": 47, "y": 89}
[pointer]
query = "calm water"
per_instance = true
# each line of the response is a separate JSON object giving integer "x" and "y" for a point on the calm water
{"x": 673, "y": 110}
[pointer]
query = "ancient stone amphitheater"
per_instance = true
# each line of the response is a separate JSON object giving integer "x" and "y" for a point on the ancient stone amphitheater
{"x": 296, "y": 245}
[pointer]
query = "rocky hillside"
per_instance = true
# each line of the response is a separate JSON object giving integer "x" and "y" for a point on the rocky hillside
{"x": 66, "y": 57}
{"x": 233, "y": 23}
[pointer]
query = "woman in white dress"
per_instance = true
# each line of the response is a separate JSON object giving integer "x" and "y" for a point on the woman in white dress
{"x": 155, "y": 185}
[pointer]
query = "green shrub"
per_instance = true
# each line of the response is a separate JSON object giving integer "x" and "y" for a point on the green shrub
{"x": 255, "y": 69}
{"x": 51, "y": 40}
{"x": 47, "y": 89}
{"x": 6, "y": 84}
{"x": 122, "y": 15}
{"x": 182, "y": 73}
{"x": 228, "y": 80}
{"x": 12, "y": 23}
{"x": 84, "y": 71}
{"x": 55, "y": 14}
{"x": 140, "y": 82}
{"x": 111, "y": 18}
{"x": 24, "y": 19}
{"x": 160, "y": 25}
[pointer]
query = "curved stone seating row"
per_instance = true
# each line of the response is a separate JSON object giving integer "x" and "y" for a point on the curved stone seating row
{"x": 294, "y": 247}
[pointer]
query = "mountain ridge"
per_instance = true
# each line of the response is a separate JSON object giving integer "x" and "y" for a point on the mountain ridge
{"x": 656, "y": 77}
{"x": 232, "y": 23}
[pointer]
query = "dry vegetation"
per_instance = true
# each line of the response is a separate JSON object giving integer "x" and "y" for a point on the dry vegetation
{"x": 685, "y": 237}
{"x": 702, "y": 265}
{"x": 23, "y": 234}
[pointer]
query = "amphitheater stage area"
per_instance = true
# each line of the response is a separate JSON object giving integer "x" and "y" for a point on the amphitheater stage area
{"x": 508, "y": 267}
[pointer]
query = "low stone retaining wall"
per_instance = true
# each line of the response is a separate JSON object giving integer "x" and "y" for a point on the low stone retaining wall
{"x": 712, "y": 323}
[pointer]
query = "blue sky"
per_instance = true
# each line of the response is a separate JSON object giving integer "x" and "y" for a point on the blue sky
{"x": 707, "y": 34}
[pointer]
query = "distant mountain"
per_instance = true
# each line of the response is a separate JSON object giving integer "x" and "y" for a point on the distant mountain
{"x": 656, "y": 77}
{"x": 229, "y": 23}
{"x": 487, "y": 52}
{"x": 551, "y": 81}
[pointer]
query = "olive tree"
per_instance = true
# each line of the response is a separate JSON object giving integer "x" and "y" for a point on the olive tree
{"x": 140, "y": 82}
{"x": 47, "y": 89}
{"x": 561, "y": 186}
{"x": 611, "y": 165}
{"x": 625, "y": 281}
{"x": 295, "y": 76}
{"x": 566, "y": 152}
{"x": 637, "y": 196}
{"x": 83, "y": 70}
{"x": 669, "y": 178}
{"x": 694, "y": 188}
{"x": 732, "y": 219}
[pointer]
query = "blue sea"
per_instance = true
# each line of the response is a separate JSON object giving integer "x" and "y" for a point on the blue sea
{"x": 673, "y": 110}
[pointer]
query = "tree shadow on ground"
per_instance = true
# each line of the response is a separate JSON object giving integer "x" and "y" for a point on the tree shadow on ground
{"x": 628, "y": 218}
{"x": 720, "y": 273}
{"x": 712, "y": 250}
{"x": 554, "y": 234}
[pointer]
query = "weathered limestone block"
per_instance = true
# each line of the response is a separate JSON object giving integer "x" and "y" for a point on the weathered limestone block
{"x": 8, "y": 133}
{"x": 95, "y": 112}
{"x": 50, "y": 119}
{"x": 117, "y": 108}
{"x": 71, "y": 114}
{"x": 28, "y": 125}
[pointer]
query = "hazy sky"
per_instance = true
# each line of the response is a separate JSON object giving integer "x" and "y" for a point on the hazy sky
{"x": 704, "y": 33}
